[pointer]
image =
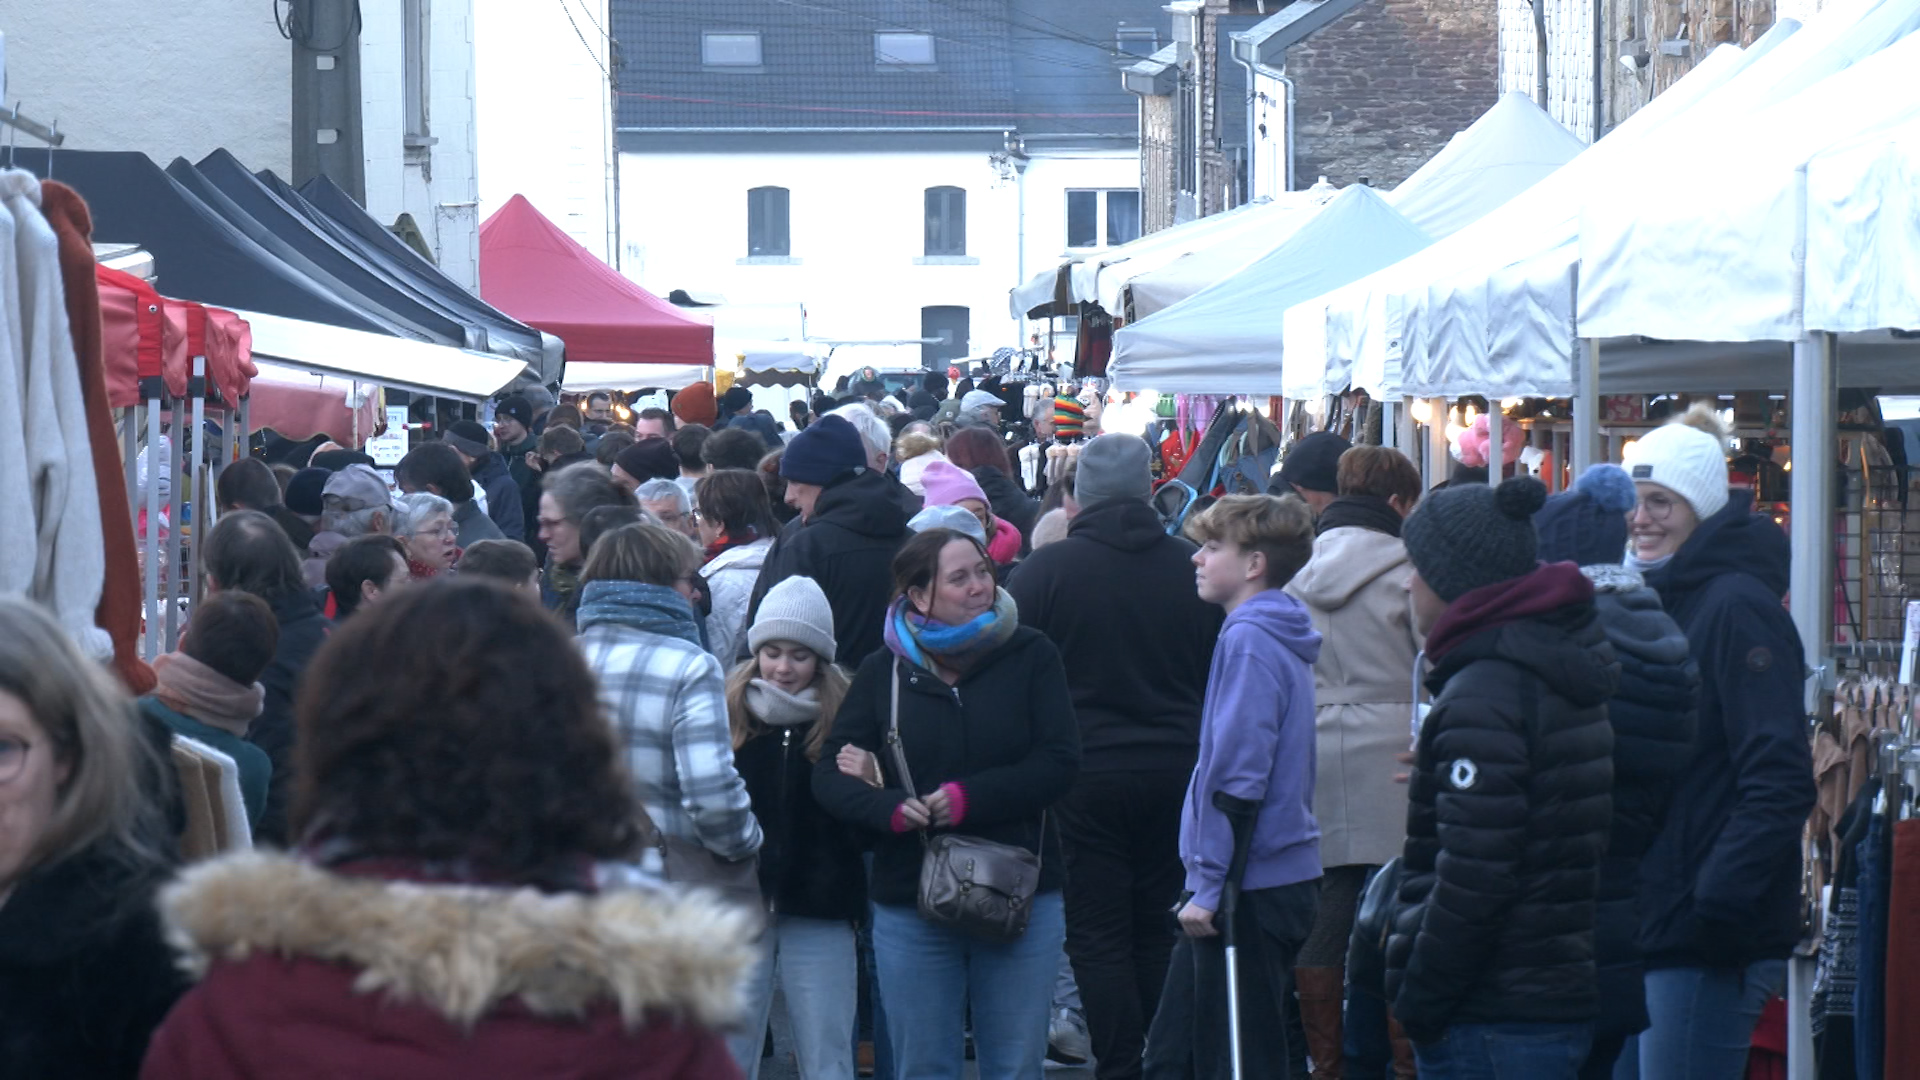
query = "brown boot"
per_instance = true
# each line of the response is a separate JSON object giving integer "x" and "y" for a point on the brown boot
{"x": 1320, "y": 990}
{"x": 1404, "y": 1067}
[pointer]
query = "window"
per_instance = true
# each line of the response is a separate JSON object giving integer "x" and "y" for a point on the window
{"x": 1097, "y": 218}
{"x": 414, "y": 70}
{"x": 1136, "y": 43}
{"x": 949, "y": 325}
{"x": 733, "y": 50}
{"x": 894, "y": 49}
{"x": 946, "y": 221}
{"x": 1123, "y": 217}
{"x": 767, "y": 222}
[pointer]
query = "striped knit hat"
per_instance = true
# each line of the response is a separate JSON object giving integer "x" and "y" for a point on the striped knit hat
{"x": 1069, "y": 418}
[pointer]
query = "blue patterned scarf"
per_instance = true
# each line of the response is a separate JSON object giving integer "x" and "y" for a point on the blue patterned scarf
{"x": 653, "y": 609}
{"x": 917, "y": 638}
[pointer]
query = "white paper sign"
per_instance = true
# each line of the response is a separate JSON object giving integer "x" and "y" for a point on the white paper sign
{"x": 1910, "y": 642}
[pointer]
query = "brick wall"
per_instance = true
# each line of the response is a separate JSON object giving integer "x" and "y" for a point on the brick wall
{"x": 1382, "y": 90}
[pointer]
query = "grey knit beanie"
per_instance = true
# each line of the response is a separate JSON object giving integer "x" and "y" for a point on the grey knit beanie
{"x": 1470, "y": 536}
{"x": 1113, "y": 466}
{"x": 795, "y": 610}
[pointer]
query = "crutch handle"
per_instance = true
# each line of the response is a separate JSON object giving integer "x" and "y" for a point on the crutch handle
{"x": 1240, "y": 814}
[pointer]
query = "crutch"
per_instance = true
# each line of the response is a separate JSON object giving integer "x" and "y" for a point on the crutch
{"x": 1240, "y": 814}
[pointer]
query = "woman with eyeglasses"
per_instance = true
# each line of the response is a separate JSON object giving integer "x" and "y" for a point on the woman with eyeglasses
{"x": 1720, "y": 886}
{"x": 424, "y": 523}
{"x": 85, "y": 974}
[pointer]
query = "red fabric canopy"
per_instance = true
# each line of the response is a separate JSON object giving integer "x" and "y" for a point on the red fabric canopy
{"x": 542, "y": 277}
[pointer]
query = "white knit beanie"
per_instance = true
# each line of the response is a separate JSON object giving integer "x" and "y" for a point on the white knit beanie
{"x": 794, "y": 610}
{"x": 1686, "y": 461}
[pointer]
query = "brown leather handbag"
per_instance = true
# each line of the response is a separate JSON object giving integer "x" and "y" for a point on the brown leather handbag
{"x": 983, "y": 888}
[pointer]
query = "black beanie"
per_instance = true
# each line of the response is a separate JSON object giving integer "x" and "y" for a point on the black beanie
{"x": 1471, "y": 536}
{"x": 1313, "y": 463}
{"x": 735, "y": 399}
{"x": 651, "y": 458}
{"x": 828, "y": 449}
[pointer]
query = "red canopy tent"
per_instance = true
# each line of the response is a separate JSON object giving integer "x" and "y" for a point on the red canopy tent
{"x": 538, "y": 274}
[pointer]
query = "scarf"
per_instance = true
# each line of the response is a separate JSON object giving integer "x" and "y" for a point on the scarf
{"x": 1359, "y": 511}
{"x": 651, "y": 609}
{"x": 725, "y": 541}
{"x": 193, "y": 689}
{"x": 923, "y": 641}
{"x": 1643, "y": 566}
{"x": 775, "y": 707}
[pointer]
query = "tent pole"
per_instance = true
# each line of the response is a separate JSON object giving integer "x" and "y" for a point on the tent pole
{"x": 1586, "y": 405}
{"x": 130, "y": 447}
{"x": 1814, "y": 432}
{"x": 1436, "y": 442}
{"x": 203, "y": 500}
{"x": 152, "y": 568}
{"x": 1496, "y": 442}
{"x": 1405, "y": 433}
{"x": 171, "y": 600}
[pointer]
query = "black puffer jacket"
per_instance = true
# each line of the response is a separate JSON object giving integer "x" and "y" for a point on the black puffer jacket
{"x": 847, "y": 547}
{"x": 1721, "y": 885}
{"x": 302, "y": 631}
{"x": 809, "y": 863}
{"x": 1005, "y": 733}
{"x": 1008, "y": 502}
{"x": 85, "y": 973}
{"x": 1512, "y": 785}
{"x": 1653, "y": 729}
{"x": 504, "y": 505}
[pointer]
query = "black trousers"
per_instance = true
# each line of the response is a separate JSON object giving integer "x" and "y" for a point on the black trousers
{"x": 1121, "y": 832}
{"x": 1188, "y": 1040}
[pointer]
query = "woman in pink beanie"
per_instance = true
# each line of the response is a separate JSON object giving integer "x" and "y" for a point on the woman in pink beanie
{"x": 948, "y": 484}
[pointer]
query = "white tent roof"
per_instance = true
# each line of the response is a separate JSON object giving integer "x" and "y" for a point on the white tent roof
{"x": 382, "y": 359}
{"x": 1166, "y": 277}
{"x": 1043, "y": 287}
{"x": 1863, "y": 233}
{"x": 1226, "y": 339}
{"x": 1721, "y": 256}
{"x": 586, "y": 375}
{"x": 1508, "y": 150}
{"x": 1246, "y": 231}
{"x": 804, "y": 356}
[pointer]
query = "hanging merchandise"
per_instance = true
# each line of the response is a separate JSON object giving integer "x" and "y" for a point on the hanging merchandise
{"x": 1093, "y": 342}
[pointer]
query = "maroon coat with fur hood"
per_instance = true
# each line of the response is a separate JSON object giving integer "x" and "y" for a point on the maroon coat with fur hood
{"x": 308, "y": 973}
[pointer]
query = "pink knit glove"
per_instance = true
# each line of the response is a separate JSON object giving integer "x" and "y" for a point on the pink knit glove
{"x": 957, "y": 799}
{"x": 900, "y": 824}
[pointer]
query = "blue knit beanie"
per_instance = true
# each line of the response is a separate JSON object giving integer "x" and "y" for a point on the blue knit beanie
{"x": 1588, "y": 525}
{"x": 828, "y": 448}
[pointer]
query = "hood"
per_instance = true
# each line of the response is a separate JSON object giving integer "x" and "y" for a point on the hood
{"x": 871, "y": 504}
{"x": 1634, "y": 619}
{"x": 489, "y": 468}
{"x": 1735, "y": 540}
{"x": 1121, "y": 524}
{"x": 1282, "y": 618}
{"x": 1545, "y": 622}
{"x": 462, "y": 950}
{"x": 1346, "y": 560}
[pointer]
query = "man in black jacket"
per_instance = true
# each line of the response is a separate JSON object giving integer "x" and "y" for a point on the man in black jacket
{"x": 1117, "y": 598}
{"x": 855, "y": 520}
{"x": 491, "y": 475}
{"x": 1490, "y": 965}
{"x": 247, "y": 552}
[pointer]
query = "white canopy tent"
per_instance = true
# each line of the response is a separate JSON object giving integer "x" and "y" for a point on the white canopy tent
{"x": 1863, "y": 234}
{"x": 803, "y": 357}
{"x": 381, "y": 359}
{"x": 1052, "y": 291}
{"x": 584, "y": 376}
{"x": 1514, "y": 146}
{"x": 1225, "y": 339}
{"x": 1147, "y": 285}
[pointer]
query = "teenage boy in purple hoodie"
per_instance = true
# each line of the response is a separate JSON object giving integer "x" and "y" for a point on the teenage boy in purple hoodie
{"x": 1257, "y": 744}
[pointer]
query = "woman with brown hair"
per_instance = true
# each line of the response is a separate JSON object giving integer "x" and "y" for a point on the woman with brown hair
{"x": 737, "y": 529}
{"x": 979, "y": 451}
{"x": 85, "y": 974}
{"x": 456, "y": 785}
{"x": 986, "y": 726}
{"x": 780, "y": 706}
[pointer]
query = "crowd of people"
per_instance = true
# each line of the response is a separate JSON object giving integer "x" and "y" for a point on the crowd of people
{"x": 594, "y": 740}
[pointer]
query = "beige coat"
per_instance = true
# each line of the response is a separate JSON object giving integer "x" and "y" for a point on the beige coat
{"x": 1356, "y": 588}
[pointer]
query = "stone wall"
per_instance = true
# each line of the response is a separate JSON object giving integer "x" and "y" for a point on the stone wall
{"x": 1382, "y": 90}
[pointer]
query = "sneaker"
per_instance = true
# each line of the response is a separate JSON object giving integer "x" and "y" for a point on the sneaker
{"x": 1067, "y": 1042}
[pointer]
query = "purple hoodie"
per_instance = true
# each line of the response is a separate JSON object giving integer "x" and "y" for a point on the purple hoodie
{"x": 1256, "y": 742}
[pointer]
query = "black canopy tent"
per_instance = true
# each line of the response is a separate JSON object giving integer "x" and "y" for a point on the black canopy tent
{"x": 198, "y": 253}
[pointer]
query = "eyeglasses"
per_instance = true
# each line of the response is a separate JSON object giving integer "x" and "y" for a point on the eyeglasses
{"x": 1656, "y": 506}
{"x": 435, "y": 533}
{"x": 13, "y": 757}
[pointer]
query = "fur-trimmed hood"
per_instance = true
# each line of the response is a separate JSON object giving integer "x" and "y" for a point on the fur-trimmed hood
{"x": 462, "y": 950}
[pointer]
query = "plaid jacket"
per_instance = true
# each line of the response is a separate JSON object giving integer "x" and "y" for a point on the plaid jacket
{"x": 667, "y": 699}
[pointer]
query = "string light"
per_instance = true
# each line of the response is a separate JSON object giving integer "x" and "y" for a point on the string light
{"x": 1421, "y": 410}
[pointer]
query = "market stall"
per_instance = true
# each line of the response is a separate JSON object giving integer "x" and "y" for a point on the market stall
{"x": 618, "y": 335}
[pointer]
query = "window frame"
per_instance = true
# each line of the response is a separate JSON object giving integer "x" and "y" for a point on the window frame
{"x": 761, "y": 207}
{"x": 939, "y": 226}
{"x": 886, "y": 61}
{"x": 759, "y": 51}
{"x": 1123, "y": 35}
{"x": 1102, "y": 217}
{"x": 416, "y": 72}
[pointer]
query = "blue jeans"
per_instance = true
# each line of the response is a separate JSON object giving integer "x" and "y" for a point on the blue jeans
{"x": 814, "y": 961}
{"x": 930, "y": 975}
{"x": 1505, "y": 1052}
{"x": 1703, "y": 1021}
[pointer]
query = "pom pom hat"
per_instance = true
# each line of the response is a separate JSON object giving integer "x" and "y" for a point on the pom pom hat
{"x": 1686, "y": 460}
{"x": 1588, "y": 525}
{"x": 1471, "y": 536}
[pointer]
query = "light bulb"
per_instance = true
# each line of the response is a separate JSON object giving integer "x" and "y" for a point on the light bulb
{"x": 1421, "y": 411}
{"x": 1454, "y": 431}
{"x": 1786, "y": 466}
{"x": 1469, "y": 412}
{"x": 1510, "y": 403}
